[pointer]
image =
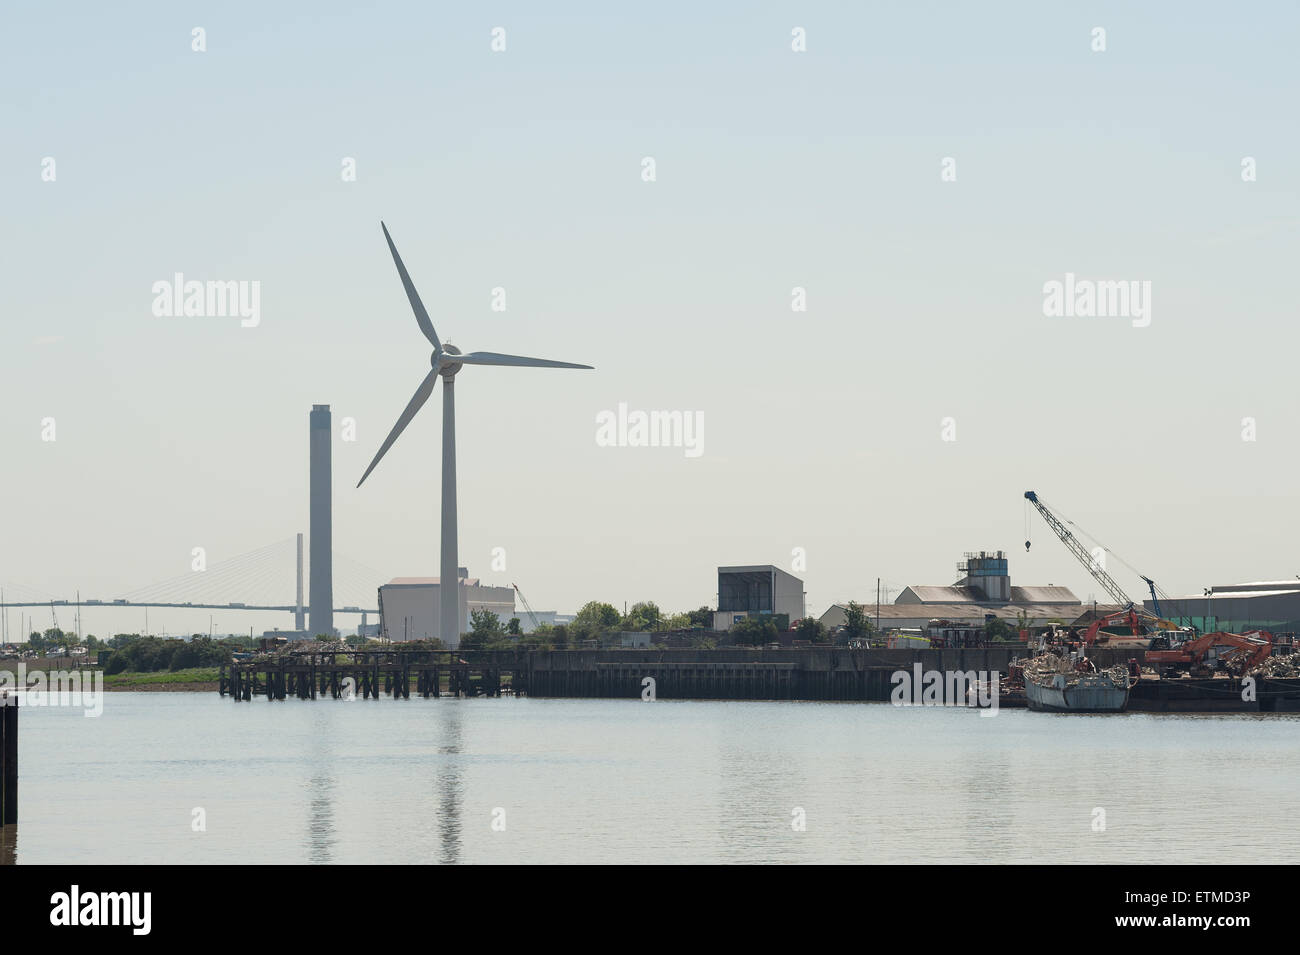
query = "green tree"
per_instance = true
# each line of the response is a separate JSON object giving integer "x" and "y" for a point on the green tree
{"x": 486, "y": 631}
{"x": 810, "y": 629}
{"x": 754, "y": 631}
{"x": 201, "y": 651}
{"x": 702, "y": 618}
{"x": 513, "y": 629}
{"x": 642, "y": 617}
{"x": 857, "y": 625}
{"x": 484, "y": 623}
{"x": 594, "y": 619}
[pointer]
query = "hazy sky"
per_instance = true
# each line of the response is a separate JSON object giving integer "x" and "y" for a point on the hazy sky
{"x": 775, "y": 169}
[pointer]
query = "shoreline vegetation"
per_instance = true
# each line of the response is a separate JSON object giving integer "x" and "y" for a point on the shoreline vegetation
{"x": 195, "y": 679}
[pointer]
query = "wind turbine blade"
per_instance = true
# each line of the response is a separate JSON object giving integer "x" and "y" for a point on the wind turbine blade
{"x": 493, "y": 358}
{"x": 416, "y": 403}
{"x": 417, "y": 306}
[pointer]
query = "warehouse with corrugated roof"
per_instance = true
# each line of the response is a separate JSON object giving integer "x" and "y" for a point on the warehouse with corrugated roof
{"x": 1260, "y": 605}
{"x": 984, "y": 590}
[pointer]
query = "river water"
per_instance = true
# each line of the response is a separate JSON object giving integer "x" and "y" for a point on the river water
{"x": 521, "y": 780}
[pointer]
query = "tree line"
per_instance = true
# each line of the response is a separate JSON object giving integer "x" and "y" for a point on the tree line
{"x": 595, "y": 620}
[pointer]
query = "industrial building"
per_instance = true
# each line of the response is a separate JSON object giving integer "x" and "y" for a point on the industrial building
{"x": 1262, "y": 605}
{"x": 409, "y": 606}
{"x": 914, "y": 616}
{"x": 755, "y": 590}
{"x": 984, "y": 589}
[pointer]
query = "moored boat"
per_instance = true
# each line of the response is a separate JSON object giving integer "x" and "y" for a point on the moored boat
{"x": 1059, "y": 685}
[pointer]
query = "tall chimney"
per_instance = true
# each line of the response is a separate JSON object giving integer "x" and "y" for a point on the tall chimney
{"x": 321, "y": 597}
{"x": 299, "y": 621}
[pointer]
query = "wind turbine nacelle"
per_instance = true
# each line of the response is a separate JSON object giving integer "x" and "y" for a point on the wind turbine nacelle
{"x": 448, "y": 368}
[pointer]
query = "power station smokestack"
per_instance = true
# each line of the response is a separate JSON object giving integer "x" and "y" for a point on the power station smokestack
{"x": 299, "y": 619}
{"x": 321, "y": 597}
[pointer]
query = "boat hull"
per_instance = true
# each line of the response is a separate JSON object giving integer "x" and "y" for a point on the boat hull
{"x": 1095, "y": 695}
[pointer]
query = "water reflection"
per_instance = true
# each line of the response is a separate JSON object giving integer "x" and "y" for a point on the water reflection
{"x": 675, "y": 782}
{"x": 984, "y": 788}
{"x": 449, "y": 782}
{"x": 322, "y": 760}
{"x": 749, "y": 776}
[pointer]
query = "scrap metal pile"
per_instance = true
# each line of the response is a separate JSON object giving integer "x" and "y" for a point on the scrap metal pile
{"x": 1279, "y": 668}
{"x": 1044, "y": 667}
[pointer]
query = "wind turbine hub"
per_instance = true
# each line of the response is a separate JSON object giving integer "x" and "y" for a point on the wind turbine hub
{"x": 447, "y": 368}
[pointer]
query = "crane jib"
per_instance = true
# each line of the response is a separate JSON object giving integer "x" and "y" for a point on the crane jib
{"x": 1108, "y": 583}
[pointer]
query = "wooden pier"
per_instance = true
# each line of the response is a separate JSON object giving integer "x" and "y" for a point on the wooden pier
{"x": 8, "y": 758}
{"x": 394, "y": 672}
{"x": 811, "y": 673}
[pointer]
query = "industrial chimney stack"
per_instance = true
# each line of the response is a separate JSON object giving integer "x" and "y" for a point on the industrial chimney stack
{"x": 321, "y": 596}
{"x": 299, "y": 617}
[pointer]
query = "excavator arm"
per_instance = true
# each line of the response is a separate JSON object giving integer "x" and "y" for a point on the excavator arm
{"x": 1248, "y": 650}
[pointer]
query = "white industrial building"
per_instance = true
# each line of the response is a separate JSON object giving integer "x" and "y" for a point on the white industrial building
{"x": 984, "y": 589}
{"x": 409, "y": 606}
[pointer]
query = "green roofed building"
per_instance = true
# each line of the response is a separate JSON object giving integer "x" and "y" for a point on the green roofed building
{"x": 1272, "y": 605}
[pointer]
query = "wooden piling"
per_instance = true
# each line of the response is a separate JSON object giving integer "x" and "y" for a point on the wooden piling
{"x": 375, "y": 673}
{"x": 8, "y": 759}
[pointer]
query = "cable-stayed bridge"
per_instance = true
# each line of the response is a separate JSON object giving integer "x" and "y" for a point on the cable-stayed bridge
{"x": 269, "y": 578}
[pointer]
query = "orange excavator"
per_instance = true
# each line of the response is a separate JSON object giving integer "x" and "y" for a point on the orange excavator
{"x": 1234, "y": 653}
{"x": 1144, "y": 630}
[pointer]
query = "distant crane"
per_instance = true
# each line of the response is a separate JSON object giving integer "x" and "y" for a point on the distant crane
{"x": 524, "y": 600}
{"x": 1108, "y": 583}
{"x": 1155, "y": 601}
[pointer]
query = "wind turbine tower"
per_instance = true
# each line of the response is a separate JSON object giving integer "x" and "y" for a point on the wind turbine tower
{"x": 446, "y": 362}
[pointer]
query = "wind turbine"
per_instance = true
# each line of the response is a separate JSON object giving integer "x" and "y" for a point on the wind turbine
{"x": 446, "y": 361}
